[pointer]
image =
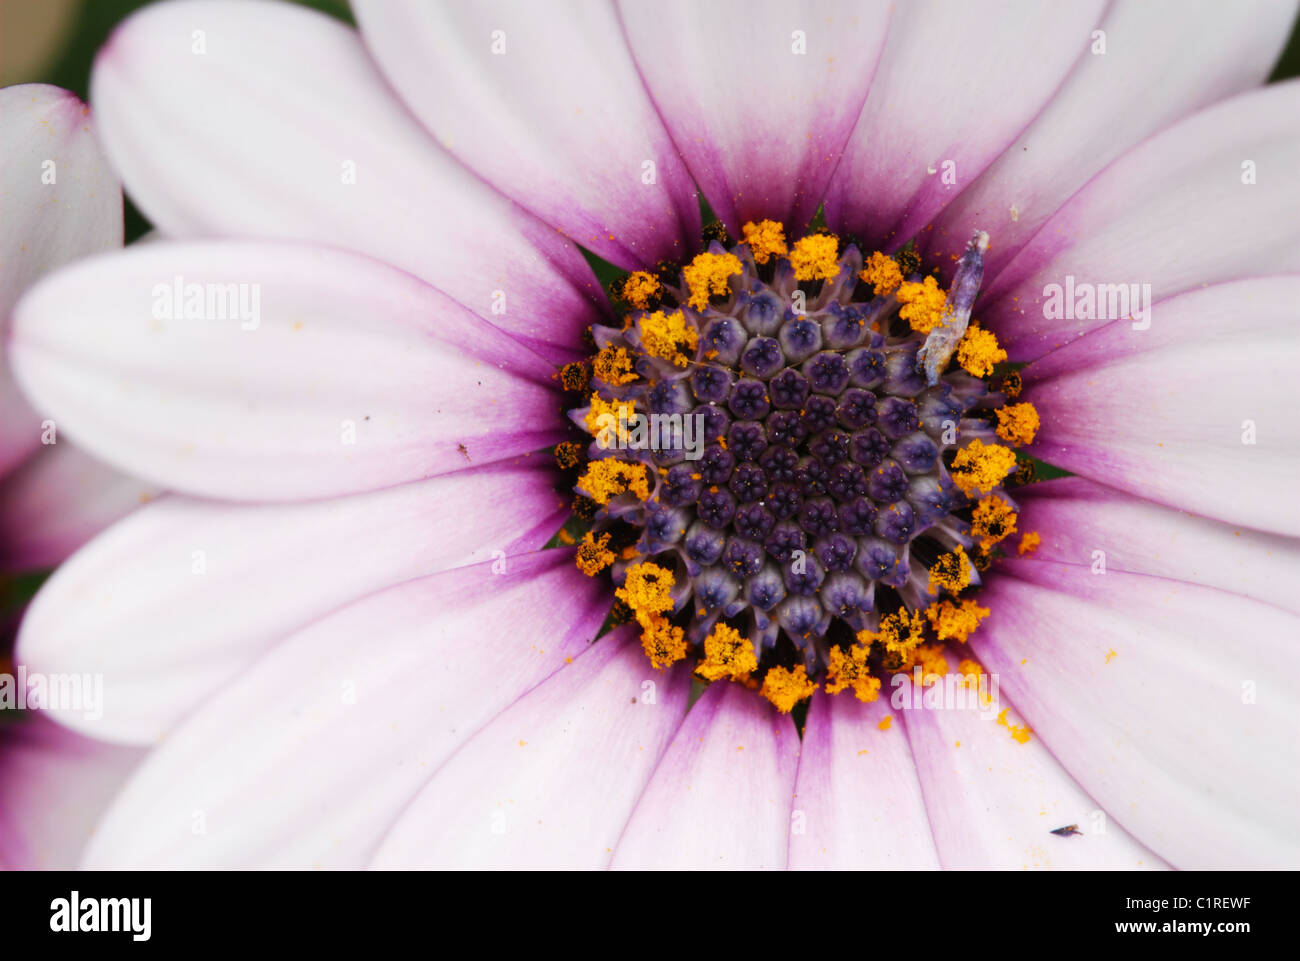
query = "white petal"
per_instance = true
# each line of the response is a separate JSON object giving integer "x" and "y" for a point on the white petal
{"x": 283, "y": 128}
{"x": 543, "y": 102}
{"x": 315, "y": 373}
{"x": 309, "y": 757}
{"x": 550, "y": 783}
{"x": 59, "y": 201}
{"x": 720, "y": 798}
{"x": 177, "y": 599}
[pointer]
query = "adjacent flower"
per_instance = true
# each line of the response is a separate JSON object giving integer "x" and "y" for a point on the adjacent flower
{"x": 350, "y": 610}
{"x": 60, "y": 202}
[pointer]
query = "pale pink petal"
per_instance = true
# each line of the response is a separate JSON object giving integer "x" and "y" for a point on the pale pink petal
{"x": 955, "y": 86}
{"x": 1200, "y": 412}
{"x": 59, "y": 201}
{"x": 334, "y": 374}
{"x": 180, "y": 597}
{"x": 1076, "y": 517}
{"x": 549, "y": 784}
{"x": 57, "y": 501}
{"x": 1161, "y": 48}
{"x": 857, "y": 800}
{"x": 1174, "y": 707}
{"x": 759, "y": 96}
{"x": 346, "y": 720}
{"x": 55, "y": 786}
{"x": 543, "y": 102}
{"x": 720, "y": 797}
{"x": 1175, "y": 213}
{"x": 994, "y": 801}
{"x": 282, "y": 127}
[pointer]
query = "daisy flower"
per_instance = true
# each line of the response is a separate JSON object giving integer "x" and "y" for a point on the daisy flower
{"x": 839, "y": 625}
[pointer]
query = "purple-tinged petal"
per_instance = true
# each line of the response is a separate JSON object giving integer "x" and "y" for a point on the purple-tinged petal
{"x": 1159, "y": 47}
{"x": 956, "y": 84}
{"x": 282, "y": 127}
{"x": 1175, "y": 707}
{"x": 544, "y": 103}
{"x": 720, "y": 797}
{"x": 550, "y": 783}
{"x": 314, "y": 373}
{"x": 994, "y": 802}
{"x": 55, "y": 787}
{"x": 348, "y": 719}
{"x": 1209, "y": 200}
{"x": 181, "y": 596}
{"x": 1199, "y": 412}
{"x": 59, "y": 201}
{"x": 857, "y": 799}
{"x": 759, "y": 97}
{"x": 1075, "y": 516}
{"x": 57, "y": 501}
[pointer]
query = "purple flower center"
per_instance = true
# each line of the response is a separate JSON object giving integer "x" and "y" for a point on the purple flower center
{"x": 796, "y": 438}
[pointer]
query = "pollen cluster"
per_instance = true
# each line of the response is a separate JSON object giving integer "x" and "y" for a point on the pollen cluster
{"x": 797, "y": 462}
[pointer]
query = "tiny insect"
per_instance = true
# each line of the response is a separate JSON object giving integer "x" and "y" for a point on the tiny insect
{"x": 1067, "y": 831}
{"x": 461, "y": 448}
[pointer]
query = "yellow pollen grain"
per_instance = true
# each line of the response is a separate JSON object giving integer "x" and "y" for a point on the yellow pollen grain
{"x": 604, "y": 415}
{"x": 924, "y": 304}
{"x": 786, "y": 688}
{"x": 640, "y": 289}
{"x": 573, "y": 376}
{"x": 980, "y": 467}
{"x": 727, "y": 654}
{"x": 613, "y": 365}
{"x": 609, "y": 478}
{"x": 1018, "y": 423}
{"x": 951, "y": 572}
{"x": 970, "y": 670}
{"x": 1019, "y": 732}
{"x": 816, "y": 257}
{"x": 955, "y": 622}
{"x": 766, "y": 239}
{"x": 594, "y": 554}
{"x": 848, "y": 669}
{"x": 886, "y": 722}
{"x": 663, "y": 643}
{"x": 568, "y": 454}
{"x": 992, "y": 521}
{"x": 883, "y": 273}
{"x": 979, "y": 351}
{"x": 899, "y": 633}
{"x": 707, "y": 275}
{"x": 929, "y": 657}
{"x": 1029, "y": 543}
{"x": 665, "y": 335}
{"x": 647, "y": 589}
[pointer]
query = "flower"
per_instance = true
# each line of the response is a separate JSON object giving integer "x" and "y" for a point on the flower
{"x": 349, "y": 612}
{"x": 60, "y": 203}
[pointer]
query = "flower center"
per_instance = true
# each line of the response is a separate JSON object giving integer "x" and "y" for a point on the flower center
{"x": 798, "y": 461}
